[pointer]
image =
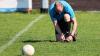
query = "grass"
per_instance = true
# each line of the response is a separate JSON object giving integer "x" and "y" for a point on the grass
{"x": 41, "y": 35}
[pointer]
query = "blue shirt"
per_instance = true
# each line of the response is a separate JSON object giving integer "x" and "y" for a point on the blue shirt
{"x": 67, "y": 8}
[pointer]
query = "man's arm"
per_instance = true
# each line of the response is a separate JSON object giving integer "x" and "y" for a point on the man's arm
{"x": 74, "y": 29}
{"x": 57, "y": 27}
{"x": 54, "y": 20}
{"x": 60, "y": 35}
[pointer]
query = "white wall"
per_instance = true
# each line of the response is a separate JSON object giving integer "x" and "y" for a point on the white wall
{"x": 8, "y": 3}
{"x": 24, "y": 3}
{"x": 44, "y": 4}
{"x": 15, "y": 4}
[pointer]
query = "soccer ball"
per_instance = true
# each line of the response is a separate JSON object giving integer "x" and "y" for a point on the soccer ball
{"x": 28, "y": 50}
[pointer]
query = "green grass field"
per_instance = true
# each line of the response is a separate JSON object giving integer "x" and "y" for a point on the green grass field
{"x": 41, "y": 35}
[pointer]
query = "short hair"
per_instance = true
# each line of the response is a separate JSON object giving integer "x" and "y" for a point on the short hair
{"x": 57, "y": 2}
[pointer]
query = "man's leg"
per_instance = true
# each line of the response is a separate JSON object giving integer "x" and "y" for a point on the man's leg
{"x": 68, "y": 25}
{"x": 64, "y": 26}
{"x": 67, "y": 17}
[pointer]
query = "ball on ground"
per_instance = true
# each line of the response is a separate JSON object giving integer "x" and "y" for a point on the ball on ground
{"x": 28, "y": 50}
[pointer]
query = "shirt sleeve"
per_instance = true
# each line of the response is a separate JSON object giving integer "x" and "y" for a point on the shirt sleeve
{"x": 52, "y": 15}
{"x": 51, "y": 12}
{"x": 68, "y": 9}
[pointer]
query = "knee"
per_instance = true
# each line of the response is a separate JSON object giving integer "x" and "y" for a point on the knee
{"x": 67, "y": 17}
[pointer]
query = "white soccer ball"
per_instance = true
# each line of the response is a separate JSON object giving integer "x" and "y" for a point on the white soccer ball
{"x": 28, "y": 50}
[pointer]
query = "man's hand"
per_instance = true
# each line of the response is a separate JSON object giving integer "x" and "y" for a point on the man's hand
{"x": 62, "y": 37}
{"x": 69, "y": 38}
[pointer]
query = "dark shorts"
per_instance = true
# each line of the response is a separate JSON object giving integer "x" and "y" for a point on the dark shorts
{"x": 64, "y": 26}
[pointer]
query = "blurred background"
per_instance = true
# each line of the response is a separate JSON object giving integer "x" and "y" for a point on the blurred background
{"x": 43, "y": 5}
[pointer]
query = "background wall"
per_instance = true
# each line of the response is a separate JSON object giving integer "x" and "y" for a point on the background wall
{"x": 76, "y": 4}
{"x": 13, "y": 5}
{"x": 85, "y": 4}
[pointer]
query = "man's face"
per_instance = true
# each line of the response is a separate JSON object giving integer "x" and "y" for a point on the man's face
{"x": 59, "y": 7}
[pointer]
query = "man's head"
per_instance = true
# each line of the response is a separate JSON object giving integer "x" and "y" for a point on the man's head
{"x": 58, "y": 7}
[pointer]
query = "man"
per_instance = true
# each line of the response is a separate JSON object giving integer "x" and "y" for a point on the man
{"x": 62, "y": 16}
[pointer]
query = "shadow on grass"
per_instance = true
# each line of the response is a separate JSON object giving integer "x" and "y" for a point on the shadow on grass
{"x": 19, "y": 55}
{"x": 35, "y": 41}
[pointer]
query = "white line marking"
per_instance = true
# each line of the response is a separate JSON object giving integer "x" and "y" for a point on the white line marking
{"x": 2, "y": 48}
